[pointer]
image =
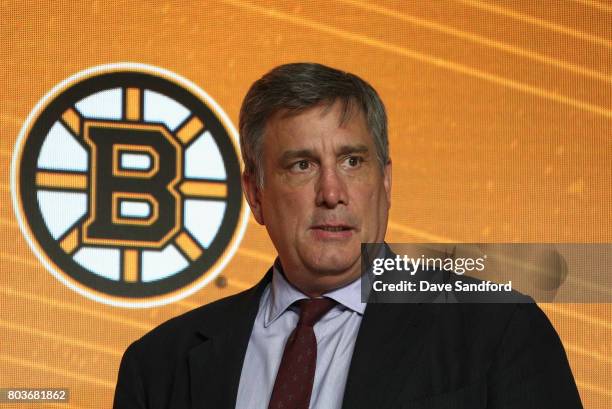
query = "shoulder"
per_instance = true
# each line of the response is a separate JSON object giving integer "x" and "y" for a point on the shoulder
{"x": 501, "y": 339}
{"x": 156, "y": 366}
{"x": 498, "y": 319}
{"x": 181, "y": 333}
{"x": 493, "y": 335}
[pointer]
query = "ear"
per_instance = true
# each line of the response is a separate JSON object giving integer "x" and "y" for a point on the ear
{"x": 253, "y": 196}
{"x": 387, "y": 172}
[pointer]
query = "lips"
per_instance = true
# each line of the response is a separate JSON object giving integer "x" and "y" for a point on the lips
{"x": 333, "y": 228}
{"x": 332, "y": 231}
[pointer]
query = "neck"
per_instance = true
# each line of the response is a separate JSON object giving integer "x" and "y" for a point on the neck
{"x": 316, "y": 284}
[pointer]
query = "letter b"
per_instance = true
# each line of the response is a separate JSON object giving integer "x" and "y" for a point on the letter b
{"x": 146, "y": 182}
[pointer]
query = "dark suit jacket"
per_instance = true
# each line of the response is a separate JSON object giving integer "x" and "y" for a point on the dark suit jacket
{"x": 406, "y": 356}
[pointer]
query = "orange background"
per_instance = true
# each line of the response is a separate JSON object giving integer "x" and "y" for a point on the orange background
{"x": 499, "y": 114}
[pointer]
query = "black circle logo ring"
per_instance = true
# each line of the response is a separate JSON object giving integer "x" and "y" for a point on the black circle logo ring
{"x": 129, "y": 289}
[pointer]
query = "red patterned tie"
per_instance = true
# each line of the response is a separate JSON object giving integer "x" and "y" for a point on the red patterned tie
{"x": 293, "y": 385}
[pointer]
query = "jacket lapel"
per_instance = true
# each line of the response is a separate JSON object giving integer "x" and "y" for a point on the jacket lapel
{"x": 385, "y": 359}
{"x": 216, "y": 363}
{"x": 389, "y": 341}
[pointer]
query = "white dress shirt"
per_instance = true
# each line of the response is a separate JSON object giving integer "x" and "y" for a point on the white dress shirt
{"x": 336, "y": 332}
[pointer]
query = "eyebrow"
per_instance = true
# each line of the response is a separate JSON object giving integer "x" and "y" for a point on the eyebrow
{"x": 308, "y": 153}
{"x": 346, "y": 149}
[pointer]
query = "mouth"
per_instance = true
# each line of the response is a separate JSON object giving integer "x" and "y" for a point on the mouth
{"x": 333, "y": 228}
{"x": 332, "y": 231}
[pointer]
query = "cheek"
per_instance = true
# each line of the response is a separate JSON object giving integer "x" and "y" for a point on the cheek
{"x": 371, "y": 204}
{"x": 285, "y": 207}
{"x": 367, "y": 197}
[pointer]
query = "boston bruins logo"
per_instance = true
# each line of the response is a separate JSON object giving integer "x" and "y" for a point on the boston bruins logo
{"x": 126, "y": 184}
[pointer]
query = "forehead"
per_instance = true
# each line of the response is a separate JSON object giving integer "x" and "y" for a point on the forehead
{"x": 321, "y": 125}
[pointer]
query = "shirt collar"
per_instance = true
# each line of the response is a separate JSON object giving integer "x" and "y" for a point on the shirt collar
{"x": 283, "y": 294}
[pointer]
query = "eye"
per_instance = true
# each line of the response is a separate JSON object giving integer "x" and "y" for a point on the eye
{"x": 353, "y": 161}
{"x": 301, "y": 166}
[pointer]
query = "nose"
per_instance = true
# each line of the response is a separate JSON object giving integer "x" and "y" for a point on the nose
{"x": 331, "y": 189}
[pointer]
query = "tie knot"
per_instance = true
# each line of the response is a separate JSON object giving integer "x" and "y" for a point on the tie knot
{"x": 312, "y": 309}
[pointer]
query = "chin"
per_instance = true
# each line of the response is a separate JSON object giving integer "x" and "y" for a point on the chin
{"x": 331, "y": 261}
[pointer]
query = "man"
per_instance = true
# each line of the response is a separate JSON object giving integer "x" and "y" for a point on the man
{"x": 318, "y": 177}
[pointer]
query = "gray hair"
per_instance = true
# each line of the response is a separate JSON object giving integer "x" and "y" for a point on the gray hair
{"x": 297, "y": 87}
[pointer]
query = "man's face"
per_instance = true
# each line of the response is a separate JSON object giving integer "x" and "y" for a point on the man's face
{"x": 324, "y": 193}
